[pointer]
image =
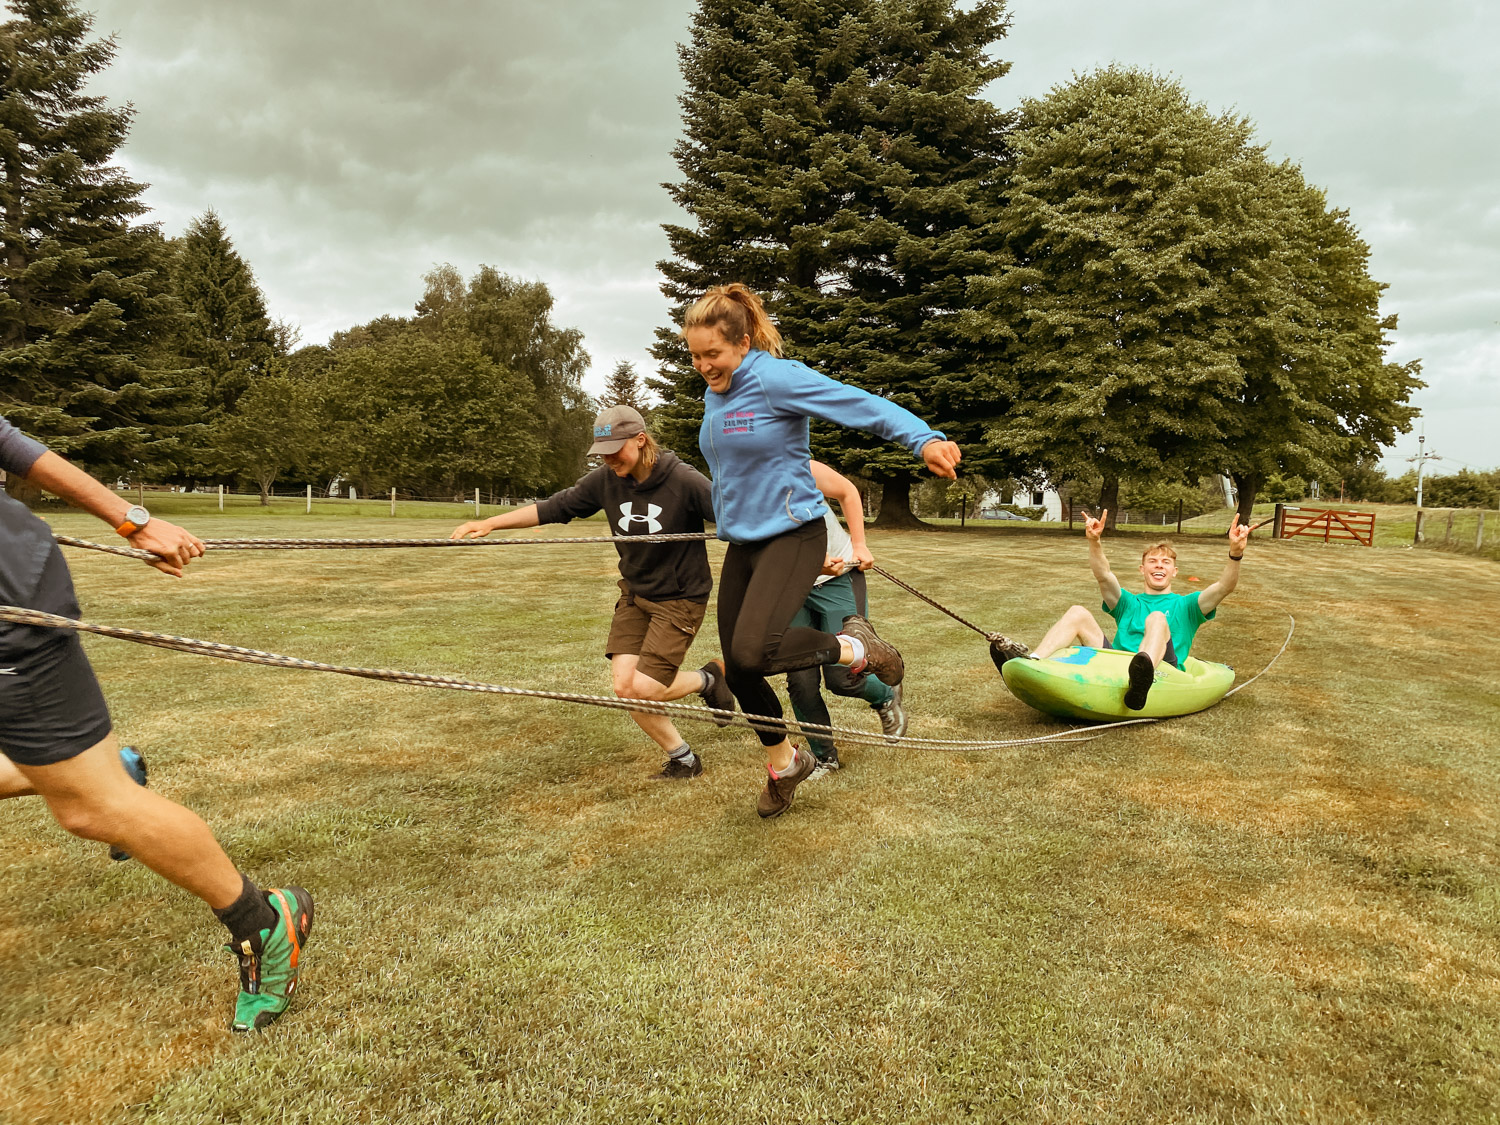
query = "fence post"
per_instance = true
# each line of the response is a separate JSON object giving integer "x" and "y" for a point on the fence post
{"x": 1479, "y": 534}
{"x": 1279, "y": 521}
{"x": 309, "y": 499}
{"x": 393, "y": 501}
{"x": 476, "y": 503}
{"x": 353, "y": 493}
{"x": 1179, "y": 520}
{"x": 1417, "y": 536}
{"x": 221, "y": 497}
{"x": 1448, "y": 530}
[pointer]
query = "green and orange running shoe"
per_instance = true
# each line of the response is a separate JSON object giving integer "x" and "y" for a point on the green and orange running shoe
{"x": 270, "y": 962}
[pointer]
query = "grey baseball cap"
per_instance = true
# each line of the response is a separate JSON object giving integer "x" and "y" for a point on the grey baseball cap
{"x": 613, "y": 427}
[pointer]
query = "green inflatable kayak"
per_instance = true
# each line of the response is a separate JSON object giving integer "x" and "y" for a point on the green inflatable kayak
{"x": 1089, "y": 684}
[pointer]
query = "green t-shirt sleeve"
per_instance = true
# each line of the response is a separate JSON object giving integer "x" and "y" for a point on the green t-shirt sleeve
{"x": 1123, "y": 606}
{"x": 1194, "y": 612}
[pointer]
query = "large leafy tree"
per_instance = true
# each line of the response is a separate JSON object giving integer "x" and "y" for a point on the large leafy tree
{"x": 511, "y": 322}
{"x": 1172, "y": 304}
{"x": 839, "y": 159}
{"x": 1317, "y": 387}
{"x": 277, "y": 426}
{"x": 424, "y": 412}
{"x": 86, "y": 315}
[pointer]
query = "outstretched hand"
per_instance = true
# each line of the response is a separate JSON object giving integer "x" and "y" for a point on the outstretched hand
{"x": 1239, "y": 536}
{"x": 1093, "y": 529}
{"x": 474, "y": 529}
{"x": 174, "y": 546}
{"x": 942, "y": 458}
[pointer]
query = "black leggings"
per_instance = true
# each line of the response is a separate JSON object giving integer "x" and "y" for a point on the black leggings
{"x": 761, "y": 587}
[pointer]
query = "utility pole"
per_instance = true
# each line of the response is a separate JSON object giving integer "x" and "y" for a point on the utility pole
{"x": 1421, "y": 459}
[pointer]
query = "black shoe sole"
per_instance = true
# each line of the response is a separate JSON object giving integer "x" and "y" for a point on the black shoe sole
{"x": 1142, "y": 673}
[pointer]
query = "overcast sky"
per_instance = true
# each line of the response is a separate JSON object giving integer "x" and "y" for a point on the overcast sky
{"x": 349, "y": 147}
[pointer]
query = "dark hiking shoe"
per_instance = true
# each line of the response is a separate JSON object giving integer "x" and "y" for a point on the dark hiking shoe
{"x": 135, "y": 766}
{"x": 270, "y": 962}
{"x": 881, "y": 658}
{"x": 1002, "y": 648}
{"x": 717, "y": 694}
{"x": 892, "y": 715}
{"x": 675, "y": 770}
{"x": 1142, "y": 672}
{"x": 827, "y": 756}
{"x": 776, "y": 797}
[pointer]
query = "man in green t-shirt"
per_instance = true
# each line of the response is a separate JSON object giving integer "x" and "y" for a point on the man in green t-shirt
{"x": 1156, "y": 625}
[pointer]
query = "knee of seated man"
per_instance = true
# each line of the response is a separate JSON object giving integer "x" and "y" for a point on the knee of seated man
{"x": 1157, "y": 617}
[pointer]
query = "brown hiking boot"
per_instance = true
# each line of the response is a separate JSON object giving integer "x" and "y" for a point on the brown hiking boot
{"x": 881, "y": 658}
{"x": 1002, "y": 648}
{"x": 717, "y": 694}
{"x": 776, "y": 797}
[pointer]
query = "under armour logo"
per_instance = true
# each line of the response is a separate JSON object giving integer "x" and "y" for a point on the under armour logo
{"x": 628, "y": 517}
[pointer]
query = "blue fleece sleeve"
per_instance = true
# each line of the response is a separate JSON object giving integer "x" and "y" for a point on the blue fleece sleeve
{"x": 802, "y": 389}
{"x": 17, "y": 451}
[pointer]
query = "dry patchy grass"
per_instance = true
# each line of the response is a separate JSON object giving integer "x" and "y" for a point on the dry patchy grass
{"x": 1282, "y": 909}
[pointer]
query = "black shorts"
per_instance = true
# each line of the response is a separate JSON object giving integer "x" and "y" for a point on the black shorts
{"x": 1170, "y": 656}
{"x": 51, "y": 708}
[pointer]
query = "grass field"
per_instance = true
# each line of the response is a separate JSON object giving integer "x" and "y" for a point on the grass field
{"x": 1282, "y": 909}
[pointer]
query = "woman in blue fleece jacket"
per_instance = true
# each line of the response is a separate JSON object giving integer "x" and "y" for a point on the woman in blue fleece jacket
{"x": 755, "y": 439}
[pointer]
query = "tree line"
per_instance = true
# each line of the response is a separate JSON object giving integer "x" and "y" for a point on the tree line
{"x": 1107, "y": 287}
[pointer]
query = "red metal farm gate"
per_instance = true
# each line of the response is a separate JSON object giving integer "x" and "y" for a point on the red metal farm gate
{"x": 1326, "y": 524}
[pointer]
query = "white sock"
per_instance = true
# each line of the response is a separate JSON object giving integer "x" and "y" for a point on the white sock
{"x": 683, "y": 754}
{"x": 856, "y": 646}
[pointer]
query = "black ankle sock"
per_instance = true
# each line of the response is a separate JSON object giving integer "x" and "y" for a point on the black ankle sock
{"x": 249, "y": 914}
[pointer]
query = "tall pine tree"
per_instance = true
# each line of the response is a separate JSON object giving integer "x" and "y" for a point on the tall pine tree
{"x": 227, "y": 332}
{"x": 86, "y": 315}
{"x": 838, "y": 158}
{"x": 623, "y": 388}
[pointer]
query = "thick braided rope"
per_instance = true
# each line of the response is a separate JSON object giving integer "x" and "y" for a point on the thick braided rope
{"x": 880, "y": 570}
{"x": 353, "y": 544}
{"x": 21, "y": 616}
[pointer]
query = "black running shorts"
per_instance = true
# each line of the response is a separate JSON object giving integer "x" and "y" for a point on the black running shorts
{"x": 51, "y": 708}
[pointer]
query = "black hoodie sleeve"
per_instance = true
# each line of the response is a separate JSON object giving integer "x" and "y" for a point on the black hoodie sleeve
{"x": 576, "y": 503}
{"x": 699, "y": 492}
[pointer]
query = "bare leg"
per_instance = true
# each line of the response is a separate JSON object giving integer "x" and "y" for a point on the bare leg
{"x": 1077, "y": 626}
{"x": 1156, "y": 636}
{"x": 632, "y": 684}
{"x": 13, "y": 782}
{"x": 93, "y": 797}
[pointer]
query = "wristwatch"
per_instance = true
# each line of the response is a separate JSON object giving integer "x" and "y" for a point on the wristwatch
{"x": 136, "y": 517}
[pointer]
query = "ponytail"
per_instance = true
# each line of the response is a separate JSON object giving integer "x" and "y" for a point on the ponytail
{"x": 736, "y": 312}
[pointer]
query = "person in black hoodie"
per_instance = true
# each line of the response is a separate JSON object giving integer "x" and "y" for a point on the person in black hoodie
{"x": 664, "y": 587}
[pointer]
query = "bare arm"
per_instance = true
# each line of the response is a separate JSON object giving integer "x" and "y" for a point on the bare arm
{"x": 175, "y": 546}
{"x": 1109, "y": 585}
{"x": 836, "y": 486}
{"x": 478, "y": 529}
{"x": 1216, "y": 592}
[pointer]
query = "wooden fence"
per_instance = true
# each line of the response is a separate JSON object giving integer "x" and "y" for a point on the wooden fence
{"x": 1326, "y": 524}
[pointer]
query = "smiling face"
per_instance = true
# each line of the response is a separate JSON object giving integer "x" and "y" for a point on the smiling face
{"x": 1158, "y": 568}
{"x": 625, "y": 460}
{"x": 714, "y": 357}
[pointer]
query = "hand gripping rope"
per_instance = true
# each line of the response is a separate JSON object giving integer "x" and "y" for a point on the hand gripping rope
{"x": 22, "y": 616}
